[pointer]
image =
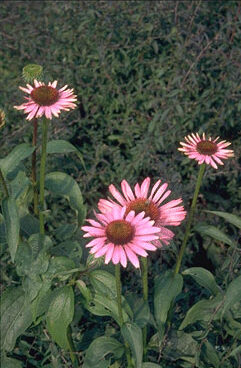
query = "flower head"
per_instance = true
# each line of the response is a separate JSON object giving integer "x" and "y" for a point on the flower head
{"x": 121, "y": 237}
{"x": 170, "y": 214}
{"x": 46, "y": 100}
{"x": 206, "y": 150}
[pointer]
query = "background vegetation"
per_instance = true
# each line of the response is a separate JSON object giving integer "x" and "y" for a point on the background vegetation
{"x": 146, "y": 73}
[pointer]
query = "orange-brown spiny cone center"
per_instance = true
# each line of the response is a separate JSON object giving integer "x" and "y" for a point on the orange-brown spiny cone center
{"x": 141, "y": 204}
{"x": 207, "y": 148}
{"x": 119, "y": 232}
{"x": 45, "y": 95}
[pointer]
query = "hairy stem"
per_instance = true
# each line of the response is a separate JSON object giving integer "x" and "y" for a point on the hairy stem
{"x": 4, "y": 184}
{"x": 190, "y": 218}
{"x": 144, "y": 275}
{"x": 34, "y": 175}
{"x": 118, "y": 292}
{"x": 42, "y": 174}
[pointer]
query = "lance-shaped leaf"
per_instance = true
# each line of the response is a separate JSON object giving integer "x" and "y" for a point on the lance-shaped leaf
{"x": 19, "y": 153}
{"x": 232, "y": 219}
{"x": 103, "y": 282}
{"x": 10, "y": 363}
{"x": 62, "y": 146}
{"x": 167, "y": 287}
{"x": 232, "y": 295}
{"x": 99, "y": 348}
{"x": 204, "y": 278}
{"x": 133, "y": 335}
{"x": 214, "y": 233}
{"x": 60, "y": 315}
{"x": 12, "y": 224}
{"x": 64, "y": 185}
{"x": 16, "y": 317}
{"x": 204, "y": 311}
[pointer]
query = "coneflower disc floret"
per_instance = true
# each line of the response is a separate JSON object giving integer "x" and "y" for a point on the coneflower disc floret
{"x": 170, "y": 214}
{"x": 47, "y": 100}
{"x": 203, "y": 150}
{"x": 120, "y": 237}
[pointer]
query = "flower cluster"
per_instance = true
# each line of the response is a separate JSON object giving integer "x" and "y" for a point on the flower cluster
{"x": 133, "y": 222}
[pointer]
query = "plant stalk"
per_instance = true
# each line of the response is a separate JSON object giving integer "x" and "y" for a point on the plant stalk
{"x": 34, "y": 174}
{"x": 42, "y": 174}
{"x": 4, "y": 184}
{"x": 118, "y": 292}
{"x": 144, "y": 276}
{"x": 190, "y": 218}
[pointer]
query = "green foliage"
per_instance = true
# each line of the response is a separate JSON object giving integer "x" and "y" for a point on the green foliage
{"x": 146, "y": 74}
{"x": 60, "y": 315}
{"x": 12, "y": 160}
{"x": 167, "y": 288}
{"x": 232, "y": 295}
{"x": 98, "y": 350}
{"x": 214, "y": 233}
{"x": 133, "y": 335}
{"x": 11, "y": 218}
{"x": 204, "y": 278}
{"x": 16, "y": 316}
{"x": 64, "y": 185}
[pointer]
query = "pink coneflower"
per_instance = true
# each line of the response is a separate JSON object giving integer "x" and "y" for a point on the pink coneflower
{"x": 120, "y": 237}
{"x": 206, "y": 150}
{"x": 169, "y": 214}
{"x": 47, "y": 100}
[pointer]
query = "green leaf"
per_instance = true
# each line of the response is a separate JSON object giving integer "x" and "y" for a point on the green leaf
{"x": 59, "y": 265}
{"x": 32, "y": 258}
{"x": 214, "y": 233}
{"x": 29, "y": 225}
{"x": 232, "y": 295}
{"x": 10, "y": 363}
{"x": 20, "y": 185}
{"x": 180, "y": 345}
{"x": 68, "y": 248}
{"x": 64, "y": 185}
{"x": 204, "y": 278}
{"x": 102, "y": 305}
{"x": 133, "y": 335}
{"x": 233, "y": 219}
{"x": 203, "y": 311}
{"x": 167, "y": 287}
{"x": 209, "y": 355}
{"x": 150, "y": 365}
{"x": 62, "y": 146}
{"x": 16, "y": 317}
{"x": 19, "y": 153}
{"x": 12, "y": 224}
{"x": 101, "y": 347}
{"x": 85, "y": 291}
{"x": 103, "y": 282}
{"x": 60, "y": 315}
{"x": 142, "y": 314}
{"x": 41, "y": 303}
{"x": 235, "y": 353}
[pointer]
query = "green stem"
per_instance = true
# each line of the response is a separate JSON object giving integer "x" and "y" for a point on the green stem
{"x": 42, "y": 173}
{"x": 190, "y": 218}
{"x": 144, "y": 276}
{"x": 34, "y": 175}
{"x": 118, "y": 292}
{"x": 4, "y": 184}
